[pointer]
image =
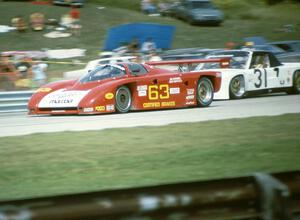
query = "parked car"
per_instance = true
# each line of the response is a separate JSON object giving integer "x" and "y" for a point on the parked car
{"x": 199, "y": 12}
{"x": 288, "y": 46}
{"x": 123, "y": 87}
{"x": 78, "y": 3}
{"x": 186, "y": 53}
{"x": 252, "y": 72}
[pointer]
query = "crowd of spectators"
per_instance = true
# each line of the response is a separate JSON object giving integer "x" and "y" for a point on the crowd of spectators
{"x": 21, "y": 72}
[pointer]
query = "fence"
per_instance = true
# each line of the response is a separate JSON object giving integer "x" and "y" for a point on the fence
{"x": 14, "y": 101}
{"x": 261, "y": 196}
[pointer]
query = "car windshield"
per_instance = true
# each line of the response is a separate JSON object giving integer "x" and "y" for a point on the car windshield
{"x": 238, "y": 60}
{"x": 104, "y": 72}
{"x": 199, "y": 4}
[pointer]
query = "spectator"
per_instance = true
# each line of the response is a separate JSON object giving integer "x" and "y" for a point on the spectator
{"x": 75, "y": 14}
{"x": 39, "y": 74}
{"x": 154, "y": 56}
{"x": 148, "y": 7}
{"x": 24, "y": 67}
{"x": 148, "y": 46}
{"x": 134, "y": 46}
{"x": 19, "y": 23}
{"x": 6, "y": 64}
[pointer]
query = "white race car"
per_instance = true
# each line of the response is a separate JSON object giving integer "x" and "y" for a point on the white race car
{"x": 253, "y": 72}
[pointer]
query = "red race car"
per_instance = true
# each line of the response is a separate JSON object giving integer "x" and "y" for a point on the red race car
{"x": 123, "y": 87}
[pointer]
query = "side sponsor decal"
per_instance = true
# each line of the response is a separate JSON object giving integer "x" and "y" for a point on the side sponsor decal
{"x": 175, "y": 90}
{"x": 190, "y": 91}
{"x": 109, "y": 96}
{"x": 151, "y": 105}
{"x": 142, "y": 93}
{"x": 190, "y": 103}
{"x": 142, "y": 88}
{"x": 43, "y": 90}
{"x": 168, "y": 104}
{"x": 189, "y": 97}
{"x": 88, "y": 109}
{"x": 110, "y": 107}
{"x": 159, "y": 104}
{"x": 175, "y": 80}
{"x": 100, "y": 108}
{"x": 63, "y": 98}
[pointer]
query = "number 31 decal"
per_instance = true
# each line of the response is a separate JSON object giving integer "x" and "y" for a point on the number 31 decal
{"x": 260, "y": 81}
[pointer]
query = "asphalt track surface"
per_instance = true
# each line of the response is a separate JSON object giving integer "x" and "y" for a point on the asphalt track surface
{"x": 21, "y": 124}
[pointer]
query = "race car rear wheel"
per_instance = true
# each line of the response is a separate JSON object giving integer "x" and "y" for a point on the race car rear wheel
{"x": 205, "y": 92}
{"x": 123, "y": 99}
{"x": 237, "y": 87}
{"x": 296, "y": 83}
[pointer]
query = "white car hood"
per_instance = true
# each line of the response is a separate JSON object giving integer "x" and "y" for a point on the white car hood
{"x": 62, "y": 99}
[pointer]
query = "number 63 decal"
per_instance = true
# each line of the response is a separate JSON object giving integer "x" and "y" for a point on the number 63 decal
{"x": 159, "y": 92}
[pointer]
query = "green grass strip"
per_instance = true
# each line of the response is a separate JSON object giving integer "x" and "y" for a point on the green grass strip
{"x": 70, "y": 162}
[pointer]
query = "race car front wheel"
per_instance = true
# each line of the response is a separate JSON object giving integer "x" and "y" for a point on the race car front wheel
{"x": 205, "y": 92}
{"x": 237, "y": 87}
{"x": 123, "y": 99}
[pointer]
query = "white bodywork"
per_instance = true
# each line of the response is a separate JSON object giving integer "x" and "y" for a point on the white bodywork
{"x": 75, "y": 74}
{"x": 257, "y": 78}
{"x": 62, "y": 98}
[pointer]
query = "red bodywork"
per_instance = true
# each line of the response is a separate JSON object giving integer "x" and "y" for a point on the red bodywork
{"x": 157, "y": 89}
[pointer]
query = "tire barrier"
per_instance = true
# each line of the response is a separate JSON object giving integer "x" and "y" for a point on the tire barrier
{"x": 260, "y": 196}
{"x": 14, "y": 101}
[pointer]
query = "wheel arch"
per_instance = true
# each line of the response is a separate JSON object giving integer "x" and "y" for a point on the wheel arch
{"x": 213, "y": 80}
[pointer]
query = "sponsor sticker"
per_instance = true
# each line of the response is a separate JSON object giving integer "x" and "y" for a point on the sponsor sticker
{"x": 100, "y": 108}
{"x": 175, "y": 90}
{"x": 110, "y": 107}
{"x": 142, "y": 88}
{"x": 88, "y": 109}
{"x": 44, "y": 90}
{"x": 63, "y": 98}
{"x": 142, "y": 93}
{"x": 168, "y": 104}
{"x": 175, "y": 80}
{"x": 190, "y": 91}
{"x": 190, "y": 103}
{"x": 61, "y": 101}
{"x": 151, "y": 105}
{"x": 189, "y": 97}
{"x": 109, "y": 96}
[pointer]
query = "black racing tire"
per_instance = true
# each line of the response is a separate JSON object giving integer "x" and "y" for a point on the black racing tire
{"x": 237, "y": 87}
{"x": 123, "y": 99}
{"x": 295, "y": 89}
{"x": 205, "y": 92}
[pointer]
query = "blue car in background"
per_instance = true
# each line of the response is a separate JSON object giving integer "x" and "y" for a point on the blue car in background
{"x": 288, "y": 46}
{"x": 199, "y": 12}
{"x": 78, "y": 3}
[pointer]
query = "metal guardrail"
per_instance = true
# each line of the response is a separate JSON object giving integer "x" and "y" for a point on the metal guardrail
{"x": 261, "y": 196}
{"x": 14, "y": 101}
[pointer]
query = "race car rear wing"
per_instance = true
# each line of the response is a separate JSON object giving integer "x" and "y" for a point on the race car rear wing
{"x": 224, "y": 62}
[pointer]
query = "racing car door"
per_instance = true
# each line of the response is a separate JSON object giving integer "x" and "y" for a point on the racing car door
{"x": 263, "y": 72}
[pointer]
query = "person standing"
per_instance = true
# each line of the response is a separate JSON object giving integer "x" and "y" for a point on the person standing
{"x": 39, "y": 74}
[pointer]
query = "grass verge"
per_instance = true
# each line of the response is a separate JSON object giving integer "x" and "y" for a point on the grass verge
{"x": 69, "y": 162}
